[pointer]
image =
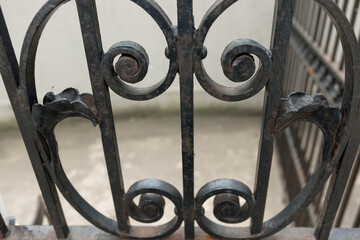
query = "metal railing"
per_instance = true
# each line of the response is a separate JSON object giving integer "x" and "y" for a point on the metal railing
{"x": 185, "y": 52}
{"x": 315, "y": 64}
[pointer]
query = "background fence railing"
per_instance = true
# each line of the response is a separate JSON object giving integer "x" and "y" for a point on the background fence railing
{"x": 315, "y": 64}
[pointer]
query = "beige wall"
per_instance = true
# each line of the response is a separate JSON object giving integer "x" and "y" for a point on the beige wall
{"x": 61, "y": 60}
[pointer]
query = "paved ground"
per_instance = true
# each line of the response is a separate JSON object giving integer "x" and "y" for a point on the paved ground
{"x": 225, "y": 146}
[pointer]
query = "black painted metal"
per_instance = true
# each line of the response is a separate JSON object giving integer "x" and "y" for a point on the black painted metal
{"x": 10, "y": 73}
{"x": 185, "y": 52}
{"x": 312, "y": 67}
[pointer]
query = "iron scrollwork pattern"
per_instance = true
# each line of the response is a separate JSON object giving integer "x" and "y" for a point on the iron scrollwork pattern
{"x": 133, "y": 63}
{"x": 237, "y": 61}
{"x": 185, "y": 51}
{"x": 70, "y": 103}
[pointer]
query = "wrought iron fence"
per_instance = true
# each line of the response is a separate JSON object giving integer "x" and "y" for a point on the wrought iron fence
{"x": 315, "y": 63}
{"x": 185, "y": 52}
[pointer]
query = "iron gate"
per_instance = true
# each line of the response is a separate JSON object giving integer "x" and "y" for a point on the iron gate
{"x": 185, "y": 52}
{"x": 315, "y": 63}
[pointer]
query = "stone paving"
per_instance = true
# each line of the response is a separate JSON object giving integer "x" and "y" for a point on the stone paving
{"x": 150, "y": 147}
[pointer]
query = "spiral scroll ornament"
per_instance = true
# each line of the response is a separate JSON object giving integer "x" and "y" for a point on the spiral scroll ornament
{"x": 227, "y": 206}
{"x": 237, "y": 61}
{"x": 151, "y": 204}
{"x": 126, "y": 63}
{"x": 70, "y": 103}
{"x": 133, "y": 62}
{"x": 150, "y": 208}
{"x": 131, "y": 66}
{"x": 240, "y": 68}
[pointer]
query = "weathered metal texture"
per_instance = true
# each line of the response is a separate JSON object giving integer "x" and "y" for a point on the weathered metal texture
{"x": 9, "y": 69}
{"x": 185, "y": 51}
{"x": 311, "y": 67}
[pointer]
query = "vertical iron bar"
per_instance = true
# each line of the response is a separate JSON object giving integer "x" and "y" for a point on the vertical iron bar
{"x": 297, "y": 9}
{"x": 303, "y": 134}
{"x": 3, "y": 228}
{"x": 309, "y": 16}
{"x": 348, "y": 191}
{"x": 288, "y": 71}
{"x": 337, "y": 185}
{"x": 337, "y": 39}
{"x": 320, "y": 33}
{"x": 302, "y": 11}
{"x": 298, "y": 74}
{"x": 9, "y": 69}
{"x": 280, "y": 37}
{"x": 313, "y": 148}
{"x": 317, "y": 202}
{"x": 352, "y": 22}
{"x": 302, "y": 74}
{"x": 331, "y": 28}
{"x": 94, "y": 53}
{"x": 185, "y": 46}
{"x": 309, "y": 149}
{"x": 292, "y": 66}
{"x": 315, "y": 23}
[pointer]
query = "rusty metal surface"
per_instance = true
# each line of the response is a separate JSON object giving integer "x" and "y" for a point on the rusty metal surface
{"x": 185, "y": 51}
{"x": 312, "y": 67}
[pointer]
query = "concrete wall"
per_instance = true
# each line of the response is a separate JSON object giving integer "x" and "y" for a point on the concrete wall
{"x": 61, "y": 60}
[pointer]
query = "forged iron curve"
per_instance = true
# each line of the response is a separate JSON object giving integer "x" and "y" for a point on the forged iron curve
{"x": 185, "y": 51}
